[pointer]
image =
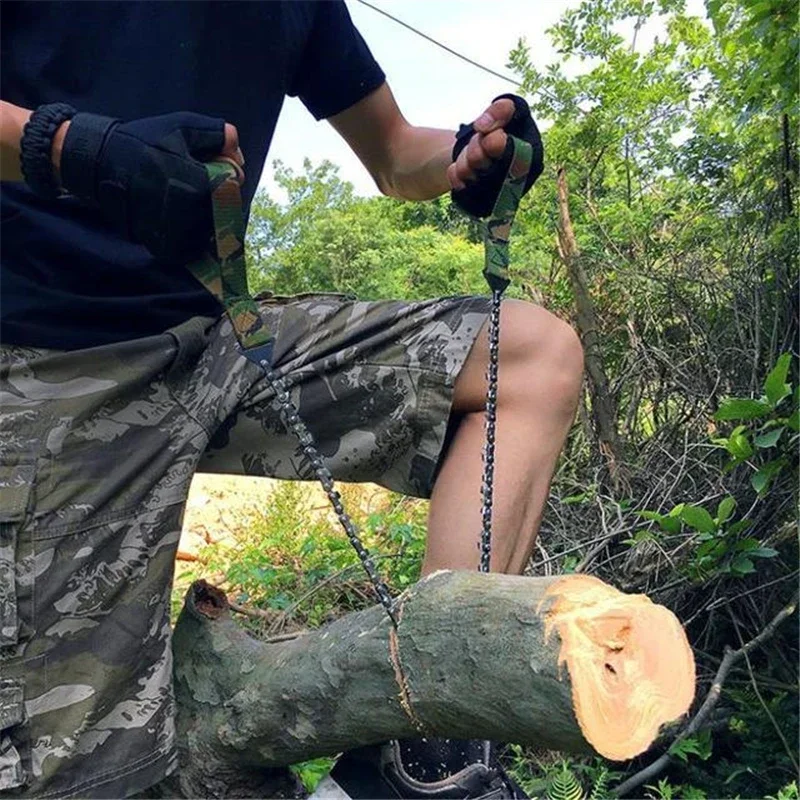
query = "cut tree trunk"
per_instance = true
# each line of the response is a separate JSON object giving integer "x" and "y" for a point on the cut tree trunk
{"x": 565, "y": 663}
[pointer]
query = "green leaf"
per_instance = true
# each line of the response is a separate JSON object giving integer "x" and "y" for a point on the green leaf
{"x": 693, "y": 793}
{"x": 725, "y": 509}
{"x": 667, "y": 523}
{"x": 699, "y": 745}
{"x": 763, "y": 552}
{"x": 761, "y": 480}
{"x": 739, "y": 446}
{"x": 643, "y": 535}
{"x": 742, "y": 565}
{"x": 712, "y": 548}
{"x": 794, "y": 420}
{"x": 698, "y": 518}
{"x": 775, "y": 386}
{"x": 670, "y": 524}
{"x": 564, "y": 786}
{"x": 742, "y": 408}
{"x": 738, "y": 527}
{"x": 312, "y": 772}
{"x": 768, "y": 439}
{"x": 575, "y": 498}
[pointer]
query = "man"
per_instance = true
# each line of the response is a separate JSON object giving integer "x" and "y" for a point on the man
{"x": 119, "y": 377}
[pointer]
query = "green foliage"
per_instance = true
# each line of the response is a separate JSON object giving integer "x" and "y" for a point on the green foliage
{"x": 767, "y": 444}
{"x": 600, "y": 789}
{"x": 698, "y": 745}
{"x": 664, "y": 790}
{"x": 766, "y": 32}
{"x": 788, "y": 792}
{"x": 577, "y": 780}
{"x": 543, "y": 777}
{"x": 773, "y": 432}
{"x": 748, "y": 761}
{"x": 295, "y": 561}
{"x": 312, "y": 772}
{"x": 720, "y": 547}
{"x": 326, "y": 240}
{"x": 564, "y": 785}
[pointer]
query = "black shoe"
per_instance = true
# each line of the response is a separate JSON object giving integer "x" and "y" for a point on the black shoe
{"x": 421, "y": 768}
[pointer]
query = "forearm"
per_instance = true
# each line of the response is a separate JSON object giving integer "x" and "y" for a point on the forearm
{"x": 420, "y": 158}
{"x": 406, "y": 161}
{"x": 12, "y": 122}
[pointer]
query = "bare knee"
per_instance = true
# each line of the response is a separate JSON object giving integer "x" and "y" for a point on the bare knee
{"x": 541, "y": 361}
{"x": 540, "y": 354}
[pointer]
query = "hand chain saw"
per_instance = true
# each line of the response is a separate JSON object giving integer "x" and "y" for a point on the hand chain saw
{"x": 223, "y": 273}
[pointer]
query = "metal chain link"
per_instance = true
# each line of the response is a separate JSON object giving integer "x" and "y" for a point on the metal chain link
{"x": 304, "y": 436}
{"x": 487, "y": 482}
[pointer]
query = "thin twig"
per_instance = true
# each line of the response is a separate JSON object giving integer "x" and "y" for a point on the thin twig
{"x": 723, "y": 600}
{"x": 253, "y": 613}
{"x": 286, "y": 614}
{"x": 714, "y": 693}
{"x": 753, "y": 681}
{"x": 284, "y": 637}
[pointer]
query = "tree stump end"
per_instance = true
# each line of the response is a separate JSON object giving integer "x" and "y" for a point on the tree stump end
{"x": 630, "y": 664}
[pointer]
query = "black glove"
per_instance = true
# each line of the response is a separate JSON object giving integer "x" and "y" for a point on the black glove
{"x": 146, "y": 177}
{"x": 478, "y": 198}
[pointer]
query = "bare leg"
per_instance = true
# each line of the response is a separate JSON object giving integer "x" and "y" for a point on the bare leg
{"x": 541, "y": 365}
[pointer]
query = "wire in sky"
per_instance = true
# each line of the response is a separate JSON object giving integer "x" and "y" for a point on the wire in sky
{"x": 439, "y": 44}
{"x": 450, "y": 50}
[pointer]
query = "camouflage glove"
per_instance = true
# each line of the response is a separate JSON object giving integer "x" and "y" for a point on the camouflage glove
{"x": 478, "y": 198}
{"x": 146, "y": 177}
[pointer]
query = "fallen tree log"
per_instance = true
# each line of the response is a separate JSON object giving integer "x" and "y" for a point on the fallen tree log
{"x": 567, "y": 663}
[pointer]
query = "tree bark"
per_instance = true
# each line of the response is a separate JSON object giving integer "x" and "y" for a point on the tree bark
{"x": 566, "y": 663}
{"x": 604, "y": 405}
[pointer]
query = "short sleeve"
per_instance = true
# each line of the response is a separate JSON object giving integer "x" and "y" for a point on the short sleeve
{"x": 336, "y": 69}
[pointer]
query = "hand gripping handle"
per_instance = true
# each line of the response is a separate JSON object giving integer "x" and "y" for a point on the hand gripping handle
{"x": 222, "y": 269}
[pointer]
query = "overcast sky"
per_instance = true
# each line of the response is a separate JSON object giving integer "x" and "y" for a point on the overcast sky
{"x": 432, "y": 87}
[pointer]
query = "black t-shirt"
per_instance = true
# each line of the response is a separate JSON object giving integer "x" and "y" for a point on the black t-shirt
{"x": 66, "y": 281}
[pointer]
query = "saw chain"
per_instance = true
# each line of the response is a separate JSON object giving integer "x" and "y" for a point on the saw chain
{"x": 222, "y": 271}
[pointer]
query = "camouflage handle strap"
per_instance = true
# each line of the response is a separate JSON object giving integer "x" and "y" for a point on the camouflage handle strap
{"x": 222, "y": 271}
{"x": 498, "y": 225}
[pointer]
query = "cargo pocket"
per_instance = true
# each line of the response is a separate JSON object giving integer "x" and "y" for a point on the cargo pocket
{"x": 16, "y": 555}
{"x": 12, "y": 715}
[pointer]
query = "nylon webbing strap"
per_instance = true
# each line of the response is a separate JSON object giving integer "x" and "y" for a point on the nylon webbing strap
{"x": 223, "y": 271}
{"x": 498, "y": 225}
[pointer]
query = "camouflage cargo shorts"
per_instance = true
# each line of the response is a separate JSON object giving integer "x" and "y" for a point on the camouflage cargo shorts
{"x": 97, "y": 450}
